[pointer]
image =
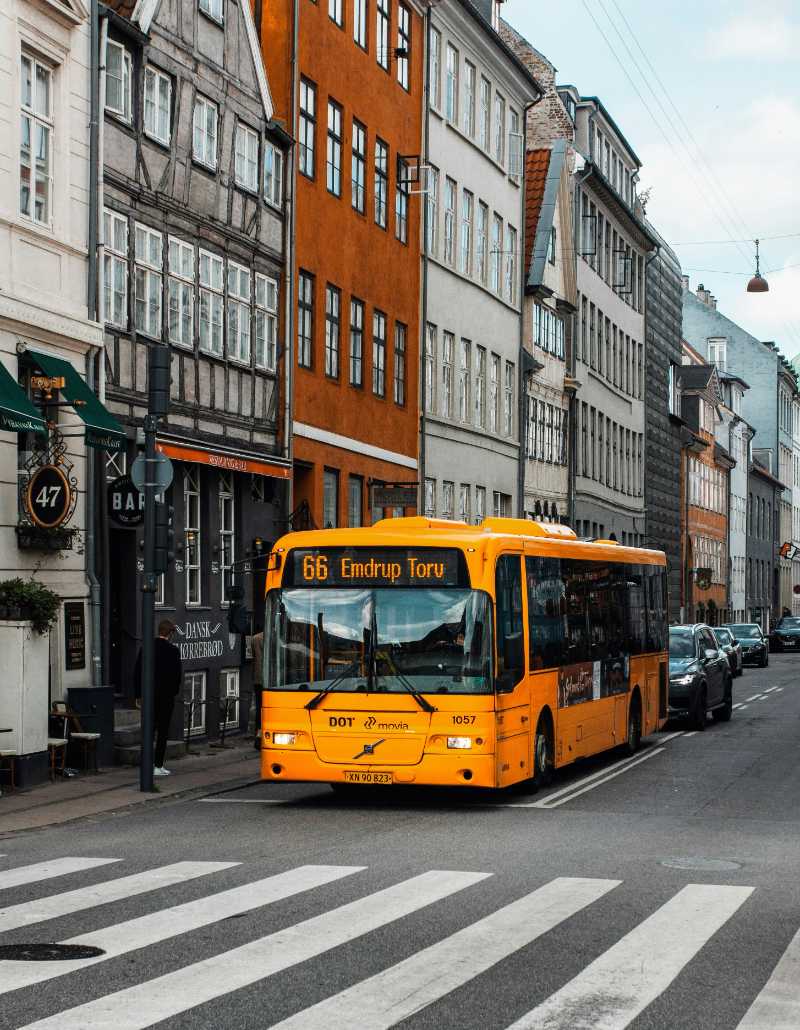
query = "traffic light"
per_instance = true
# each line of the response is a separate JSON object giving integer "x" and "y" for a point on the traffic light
{"x": 165, "y": 537}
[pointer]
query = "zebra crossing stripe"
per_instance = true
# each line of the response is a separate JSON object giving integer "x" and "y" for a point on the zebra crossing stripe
{"x": 145, "y": 1004}
{"x": 143, "y": 931}
{"x": 29, "y": 912}
{"x": 624, "y": 980}
{"x": 49, "y": 870}
{"x": 777, "y": 1007}
{"x": 404, "y": 989}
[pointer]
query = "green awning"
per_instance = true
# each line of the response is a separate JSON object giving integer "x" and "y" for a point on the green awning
{"x": 102, "y": 429}
{"x": 17, "y": 414}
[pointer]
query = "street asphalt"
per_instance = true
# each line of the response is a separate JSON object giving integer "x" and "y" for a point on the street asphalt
{"x": 683, "y": 898}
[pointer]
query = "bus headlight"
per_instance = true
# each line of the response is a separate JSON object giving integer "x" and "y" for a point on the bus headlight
{"x": 459, "y": 742}
{"x": 283, "y": 739}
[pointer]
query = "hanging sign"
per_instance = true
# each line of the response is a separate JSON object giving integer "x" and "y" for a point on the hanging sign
{"x": 49, "y": 498}
{"x": 125, "y": 502}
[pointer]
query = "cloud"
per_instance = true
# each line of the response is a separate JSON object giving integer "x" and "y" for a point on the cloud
{"x": 754, "y": 37}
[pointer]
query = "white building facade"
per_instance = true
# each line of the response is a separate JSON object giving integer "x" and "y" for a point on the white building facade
{"x": 733, "y": 433}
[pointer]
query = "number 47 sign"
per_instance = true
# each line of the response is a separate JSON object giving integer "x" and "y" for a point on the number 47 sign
{"x": 49, "y": 497}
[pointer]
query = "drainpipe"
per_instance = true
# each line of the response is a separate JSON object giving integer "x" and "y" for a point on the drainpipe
{"x": 423, "y": 374}
{"x": 91, "y": 547}
{"x": 572, "y": 470}
{"x": 94, "y": 119}
{"x": 645, "y": 427}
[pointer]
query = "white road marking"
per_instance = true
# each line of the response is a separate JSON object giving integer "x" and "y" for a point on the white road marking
{"x": 134, "y": 1008}
{"x": 778, "y": 690}
{"x": 770, "y": 689}
{"x": 30, "y": 912}
{"x": 691, "y": 733}
{"x": 170, "y": 922}
{"x": 671, "y": 736}
{"x": 407, "y": 987}
{"x": 48, "y": 870}
{"x": 550, "y": 803}
{"x": 742, "y": 707}
{"x": 753, "y": 698}
{"x": 763, "y": 697}
{"x": 739, "y": 705}
{"x": 624, "y": 980}
{"x": 777, "y": 1007}
{"x": 245, "y": 801}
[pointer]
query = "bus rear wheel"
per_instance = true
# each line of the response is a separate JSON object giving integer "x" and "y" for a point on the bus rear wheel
{"x": 543, "y": 754}
{"x": 634, "y": 737}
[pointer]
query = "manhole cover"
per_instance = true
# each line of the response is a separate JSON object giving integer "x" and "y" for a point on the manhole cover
{"x": 711, "y": 865}
{"x": 47, "y": 952}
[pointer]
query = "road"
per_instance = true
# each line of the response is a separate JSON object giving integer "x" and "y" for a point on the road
{"x": 657, "y": 892}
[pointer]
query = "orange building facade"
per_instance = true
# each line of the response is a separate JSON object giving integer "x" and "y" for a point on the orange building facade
{"x": 352, "y": 98}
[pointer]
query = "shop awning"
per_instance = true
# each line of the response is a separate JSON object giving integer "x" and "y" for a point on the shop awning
{"x": 102, "y": 429}
{"x": 228, "y": 461}
{"x": 17, "y": 414}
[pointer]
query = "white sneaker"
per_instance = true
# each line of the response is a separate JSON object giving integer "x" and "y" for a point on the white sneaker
{"x": 161, "y": 771}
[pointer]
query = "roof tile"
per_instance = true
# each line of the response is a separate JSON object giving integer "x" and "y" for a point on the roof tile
{"x": 536, "y": 164}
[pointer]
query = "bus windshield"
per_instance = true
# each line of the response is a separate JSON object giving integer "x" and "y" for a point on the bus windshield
{"x": 438, "y": 641}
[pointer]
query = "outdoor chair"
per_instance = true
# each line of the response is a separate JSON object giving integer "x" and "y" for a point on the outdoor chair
{"x": 87, "y": 742}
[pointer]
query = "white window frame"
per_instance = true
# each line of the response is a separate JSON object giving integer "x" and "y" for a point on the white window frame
{"x": 468, "y": 106}
{"x": 180, "y": 292}
{"x": 273, "y": 175}
{"x": 431, "y": 346}
{"x": 451, "y": 83}
{"x": 450, "y": 195}
{"x": 153, "y": 105}
{"x": 194, "y": 686}
{"x": 718, "y": 352}
{"x": 205, "y": 132}
{"x": 213, "y": 8}
{"x": 508, "y": 399}
{"x": 239, "y": 280}
{"x": 192, "y": 531}
{"x": 229, "y": 687}
{"x": 464, "y": 380}
{"x": 227, "y": 533}
{"x": 494, "y": 394}
{"x": 482, "y": 242}
{"x": 499, "y": 148}
{"x": 436, "y": 69}
{"x": 246, "y": 158}
{"x": 211, "y": 275}
{"x": 448, "y": 364}
{"x": 148, "y": 280}
{"x": 485, "y": 114}
{"x": 266, "y": 329}
{"x": 430, "y": 497}
{"x": 124, "y": 78}
{"x": 496, "y": 255}
{"x": 432, "y": 201}
{"x": 480, "y": 504}
{"x": 40, "y": 124}
{"x": 115, "y": 268}
{"x": 480, "y": 387}
{"x": 511, "y": 265}
{"x": 448, "y": 499}
{"x": 467, "y": 216}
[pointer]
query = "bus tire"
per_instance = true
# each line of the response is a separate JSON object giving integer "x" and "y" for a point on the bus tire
{"x": 543, "y": 752}
{"x": 634, "y": 736}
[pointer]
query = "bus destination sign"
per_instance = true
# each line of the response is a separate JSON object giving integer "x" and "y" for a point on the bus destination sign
{"x": 381, "y": 567}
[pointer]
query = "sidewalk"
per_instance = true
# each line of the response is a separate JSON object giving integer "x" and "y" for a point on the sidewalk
{"x": 118, "y": 787}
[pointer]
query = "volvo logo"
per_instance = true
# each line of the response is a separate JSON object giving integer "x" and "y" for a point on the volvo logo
{"x": 368, "y": 749}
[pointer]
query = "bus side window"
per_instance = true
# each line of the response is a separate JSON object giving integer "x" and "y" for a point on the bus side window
{"x": 546, "y": 607}
{"x": 510, "y": 638}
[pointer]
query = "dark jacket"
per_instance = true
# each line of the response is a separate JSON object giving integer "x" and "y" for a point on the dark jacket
{"x": 167, "y": 672}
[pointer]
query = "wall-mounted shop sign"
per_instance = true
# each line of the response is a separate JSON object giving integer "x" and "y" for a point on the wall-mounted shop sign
{"x": 202, "y": 638}
{"x": 394, "y": 495}
{"x": 74, "y": 635}
{"x": 49, "y": 499}
{"x": 125, "y": 502}
{"x": 223, "y": 460}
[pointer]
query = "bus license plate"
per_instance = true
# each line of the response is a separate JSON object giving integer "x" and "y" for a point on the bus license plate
{"x": 357, "y": 776}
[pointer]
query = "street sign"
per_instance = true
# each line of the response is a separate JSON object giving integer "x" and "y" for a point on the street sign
{"x": 125, "y": 502}
{"x": 49, "y": 497}
{"x": 162, "y": 475}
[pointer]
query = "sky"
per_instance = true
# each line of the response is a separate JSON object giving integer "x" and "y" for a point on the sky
{"x": 705, "y": 93}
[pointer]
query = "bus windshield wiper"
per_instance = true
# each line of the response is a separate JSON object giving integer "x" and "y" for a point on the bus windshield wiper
{"x": 423, "y": 702}
{"x": 348, "y": 670}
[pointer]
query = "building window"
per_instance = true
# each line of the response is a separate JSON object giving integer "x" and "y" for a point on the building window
{"x": 204, "y": 132}
{"x": 497, "y": 252}
{"x": 115, "y": 268}
{"x": 191, "y": 534}
{"x": 273, "y": 174}
{"x": 502, "y": 505}
{"x": 360, "y": 23}
{"x": 499, "y": 128}
{"x": 718, "y": 353}
{"x": 464, "y": 377}
{"x": 333, "y": 301}
{"x": 494, "y": 395}
{"x": 483, "y": 242}
{"x": 238, "y": 312}
{"x": 227, "y": 521}
{"x": 450, "y": 191}
{"x": 516, "y": 143}
{"x": 379, "y": 354}
{"x": 308, "y": 126}
{"x": 147, "y": 273}
{"x": 403, "y": 44}
{"x": 436, "y": 69}
{"x": 330, "y": 499}
{"x": 335, "y": 12}
{"x": 118, "y": 80}
{"x": 266, "y": 322}
{"x": 511, "y": 265}
{"x": 194, "y": 688}
{"x": 213, "y": 8}
{"x": 451, "y": 84}
{"x": 485, "y": 113}
{"x": 448, "y": 492}
{"x": 467, "y": 207}
{"x": 468, "y": 105}
{"x": 334, "y": 162}
{"x": 430, "y": 498}
{"x": 382, "y": 29}
{"x": 355, "y": 505}
{"x": 246, "y": 158}
{"x": 157, "y": 103}
{"x": 432, "y": 201}
{"x": 180, "y": 291}
{"x": 448, "y": 354}
{"x": 36, "y": 125}
{"x": 480, "y": 504}
{"x": 430, "y": 368}
{"x": 480, "y": 387}
{"x": 508, "y": 400}
{"x": 401, "y": 202}
{"x": 381, "y": 181}
{"x": 229, "y": 698}
{"x": 400, "y": 334}
{"x": 358, "y": 166}
{"x": 356, "y": 342}
{"x": 464, "y": 505}
{"x": 211, "y": 302}
{"x": 305, "y": 319}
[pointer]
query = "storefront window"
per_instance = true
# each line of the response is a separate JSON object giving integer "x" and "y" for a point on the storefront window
{"x": 191, "y": 521}
{"x": 226, "y": 533}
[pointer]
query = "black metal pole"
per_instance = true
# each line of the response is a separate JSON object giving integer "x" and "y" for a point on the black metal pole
{"x": 148, "y": 604}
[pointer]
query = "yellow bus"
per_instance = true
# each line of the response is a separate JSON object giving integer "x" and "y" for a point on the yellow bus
{"x": 423, "y": 651}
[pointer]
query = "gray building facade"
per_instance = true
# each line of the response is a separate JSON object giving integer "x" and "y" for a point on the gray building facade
{"x": 193, "y": 259}
{"x": 763, "y": 506}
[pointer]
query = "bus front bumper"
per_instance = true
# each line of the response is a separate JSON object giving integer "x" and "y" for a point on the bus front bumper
{"x": 460, "y": 769}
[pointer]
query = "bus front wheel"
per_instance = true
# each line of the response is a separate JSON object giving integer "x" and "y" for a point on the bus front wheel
{"x": 543, "y": 754}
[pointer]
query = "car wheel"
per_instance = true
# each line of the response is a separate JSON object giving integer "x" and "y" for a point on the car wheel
{"x": 634, "y": 737}
{"x": 765, "y": 660}
{"x": 724, "y": 714}
{"x": 543, "y": 754}
{"x": 699, "y": 715}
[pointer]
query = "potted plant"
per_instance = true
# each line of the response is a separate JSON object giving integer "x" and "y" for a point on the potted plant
{"x": 27, "y": 599}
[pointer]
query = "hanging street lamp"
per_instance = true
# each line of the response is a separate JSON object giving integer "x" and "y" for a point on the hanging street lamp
{"x": 758, "y": 284}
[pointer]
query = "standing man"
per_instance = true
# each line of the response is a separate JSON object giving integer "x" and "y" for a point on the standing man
{"x": 257, "y": 647}
{"x": 167, "y": 680}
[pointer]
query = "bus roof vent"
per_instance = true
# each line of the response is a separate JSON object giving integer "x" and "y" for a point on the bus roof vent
{"x": 602, "y": 540}
{"x": 526, "y": 527}
{"x": 417, "y": 522}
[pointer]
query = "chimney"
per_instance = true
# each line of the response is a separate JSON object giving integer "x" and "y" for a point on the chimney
{"x": 713, "y": 302}
{"x": 685, "y": 281}
{"x": 702, "y": 294}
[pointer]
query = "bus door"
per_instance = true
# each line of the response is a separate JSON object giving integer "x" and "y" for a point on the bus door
{"x": 514, "y": 750}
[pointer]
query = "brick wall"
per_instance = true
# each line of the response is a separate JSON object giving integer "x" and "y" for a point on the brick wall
{"x": 548, "y": 120}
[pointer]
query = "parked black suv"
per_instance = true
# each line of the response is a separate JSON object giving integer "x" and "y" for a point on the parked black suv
{"x": 699, "y": 675}
{"x": 785, "y": 634}
{"x": 755, "y": 650}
